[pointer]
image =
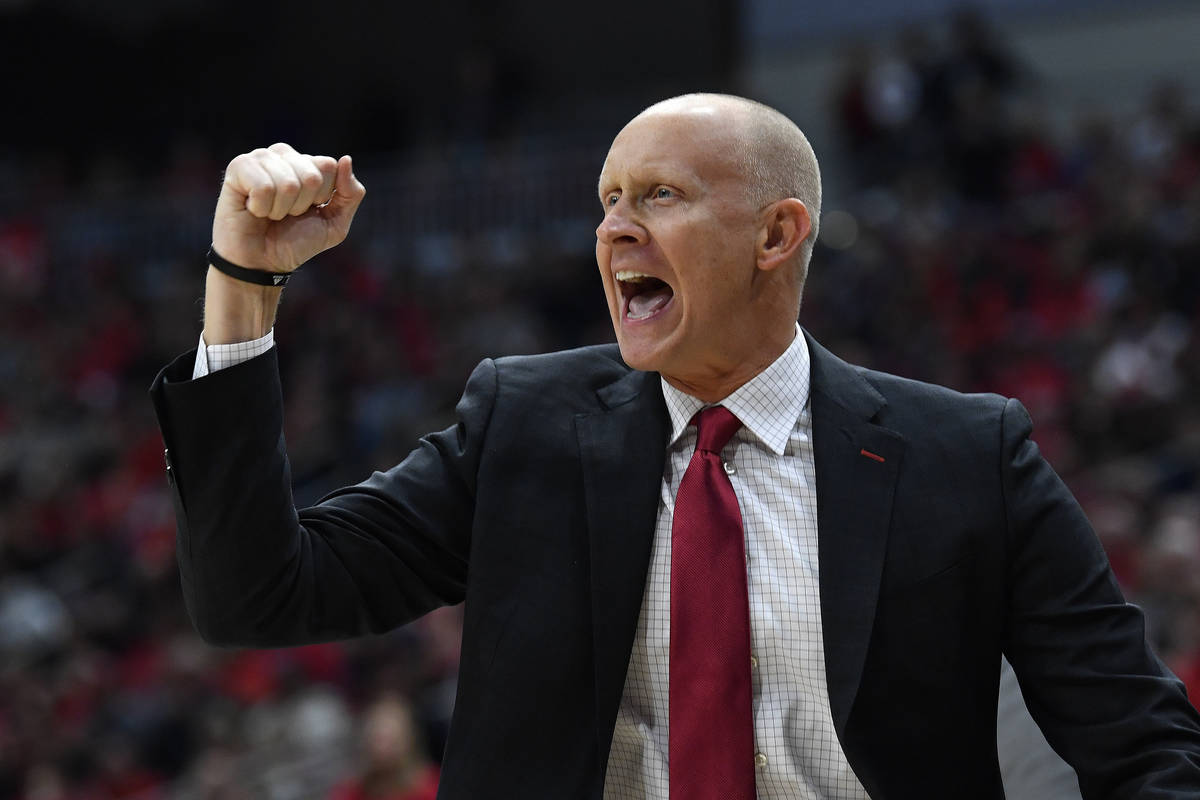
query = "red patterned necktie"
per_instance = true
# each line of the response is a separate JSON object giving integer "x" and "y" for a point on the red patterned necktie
{"x": 711, "y": 732}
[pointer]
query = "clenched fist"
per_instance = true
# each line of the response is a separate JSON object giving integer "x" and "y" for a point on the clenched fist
{"x": 279, "y": 208}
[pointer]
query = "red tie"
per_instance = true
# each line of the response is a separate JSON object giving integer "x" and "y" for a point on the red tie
{"x": 711, "y": 731}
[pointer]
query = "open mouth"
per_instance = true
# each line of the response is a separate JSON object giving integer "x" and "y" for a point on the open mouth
{"x": 642, "y": 296}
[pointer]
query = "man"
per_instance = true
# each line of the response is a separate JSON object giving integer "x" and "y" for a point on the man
{"x": 898, "y": 537}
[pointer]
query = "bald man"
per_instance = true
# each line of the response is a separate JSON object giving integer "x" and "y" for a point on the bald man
{"x": 896, "y": 537}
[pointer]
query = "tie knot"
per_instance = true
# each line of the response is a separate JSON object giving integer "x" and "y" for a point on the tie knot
{"x": 715, "y": 426}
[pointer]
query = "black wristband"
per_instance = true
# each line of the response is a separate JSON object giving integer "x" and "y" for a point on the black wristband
{"x": 260, "y": 276}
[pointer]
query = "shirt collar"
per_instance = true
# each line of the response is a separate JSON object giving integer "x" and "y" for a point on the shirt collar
{"x": 768, "y": 405}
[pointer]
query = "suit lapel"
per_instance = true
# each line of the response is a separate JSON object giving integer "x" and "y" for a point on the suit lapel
{"x": 854, "y": 504}
{"x": 622, "y": 448}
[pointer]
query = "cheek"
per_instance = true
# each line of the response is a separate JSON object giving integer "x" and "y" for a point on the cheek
{"x": 603, "y": 254}
{"x": 716, "y": 289}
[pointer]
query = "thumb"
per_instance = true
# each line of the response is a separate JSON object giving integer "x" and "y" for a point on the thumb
{"x": 348, "y": 193}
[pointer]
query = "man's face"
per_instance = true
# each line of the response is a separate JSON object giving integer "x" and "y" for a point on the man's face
{"x": 677, "y": 243}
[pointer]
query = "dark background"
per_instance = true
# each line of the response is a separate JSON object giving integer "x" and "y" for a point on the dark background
{"x": 383, "y": 76}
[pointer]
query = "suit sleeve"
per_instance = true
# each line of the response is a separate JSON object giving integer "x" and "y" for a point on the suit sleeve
{"x": 1104, "y": 700}
{"x": 258, "y": 572}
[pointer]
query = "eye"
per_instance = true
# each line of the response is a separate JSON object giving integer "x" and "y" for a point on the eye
{"x": 611, "y": 199}
{"x": 663, "y": 193}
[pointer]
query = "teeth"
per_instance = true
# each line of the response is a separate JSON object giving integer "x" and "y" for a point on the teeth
{"x": 630, "y": 275}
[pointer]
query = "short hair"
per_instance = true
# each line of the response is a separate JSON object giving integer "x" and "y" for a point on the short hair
{"x": 777, "y": 159}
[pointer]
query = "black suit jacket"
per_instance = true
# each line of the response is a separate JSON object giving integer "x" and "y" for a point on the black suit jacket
{"x": 538, "y": 509}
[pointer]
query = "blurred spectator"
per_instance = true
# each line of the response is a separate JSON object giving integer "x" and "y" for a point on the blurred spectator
{"x": 394, "y": 765}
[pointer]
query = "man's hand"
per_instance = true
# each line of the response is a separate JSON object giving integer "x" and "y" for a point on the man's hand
{"x": 279, "y": 208}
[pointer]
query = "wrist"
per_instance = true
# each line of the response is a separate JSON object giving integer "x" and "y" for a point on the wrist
{"x": 237, "y": 311}
{"x": 258, "y": 277}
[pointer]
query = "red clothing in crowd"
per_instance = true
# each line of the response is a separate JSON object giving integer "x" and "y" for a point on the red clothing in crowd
{"x": 424, "y": 788}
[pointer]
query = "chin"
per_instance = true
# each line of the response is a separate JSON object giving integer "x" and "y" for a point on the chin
{"x": 640, "y": 357}
{"x": 635, "y": 357}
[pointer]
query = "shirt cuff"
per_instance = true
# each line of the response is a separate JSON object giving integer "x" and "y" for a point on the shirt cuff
{"x": 210, "y": 358}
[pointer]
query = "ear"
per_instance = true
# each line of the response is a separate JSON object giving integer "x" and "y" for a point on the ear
{"x": 785, "y": 226}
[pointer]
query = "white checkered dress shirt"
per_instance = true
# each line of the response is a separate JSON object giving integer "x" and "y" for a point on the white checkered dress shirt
{"x": 797, "y": 751}
{"x": 797, "y": 754}
{"x": 210, "y": 358}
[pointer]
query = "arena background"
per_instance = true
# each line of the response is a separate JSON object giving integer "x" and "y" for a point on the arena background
{"x": 1012, "y": 205}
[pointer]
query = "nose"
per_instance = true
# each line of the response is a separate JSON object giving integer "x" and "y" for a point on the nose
{"x": 619, "y": 226}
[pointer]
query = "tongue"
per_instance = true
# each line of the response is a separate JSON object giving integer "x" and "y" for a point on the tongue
{"x": 644, "y": 304}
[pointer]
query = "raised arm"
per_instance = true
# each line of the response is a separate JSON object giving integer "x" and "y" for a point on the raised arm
{"x": 256, "y": 571}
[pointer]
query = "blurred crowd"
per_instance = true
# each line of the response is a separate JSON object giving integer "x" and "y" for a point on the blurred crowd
{"x": 988, "y": 241}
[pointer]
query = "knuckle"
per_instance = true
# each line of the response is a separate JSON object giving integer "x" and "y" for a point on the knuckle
{"x": 235, "y": 170}
{"x": 281, "y": 147}
{"x": 289, "y": 186}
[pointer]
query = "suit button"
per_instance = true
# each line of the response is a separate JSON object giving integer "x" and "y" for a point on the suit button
{"x": 730, "y": 469}
{"x": 753, "y": 662}
{"x": 760, "y": 759}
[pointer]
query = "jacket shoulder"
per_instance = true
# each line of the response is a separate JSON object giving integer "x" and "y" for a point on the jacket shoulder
{"x": 909, "y": 392}
{"x": 582, "y": 370}
{"x": 920, "y": 410}
{"x": 902, "y": 404}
